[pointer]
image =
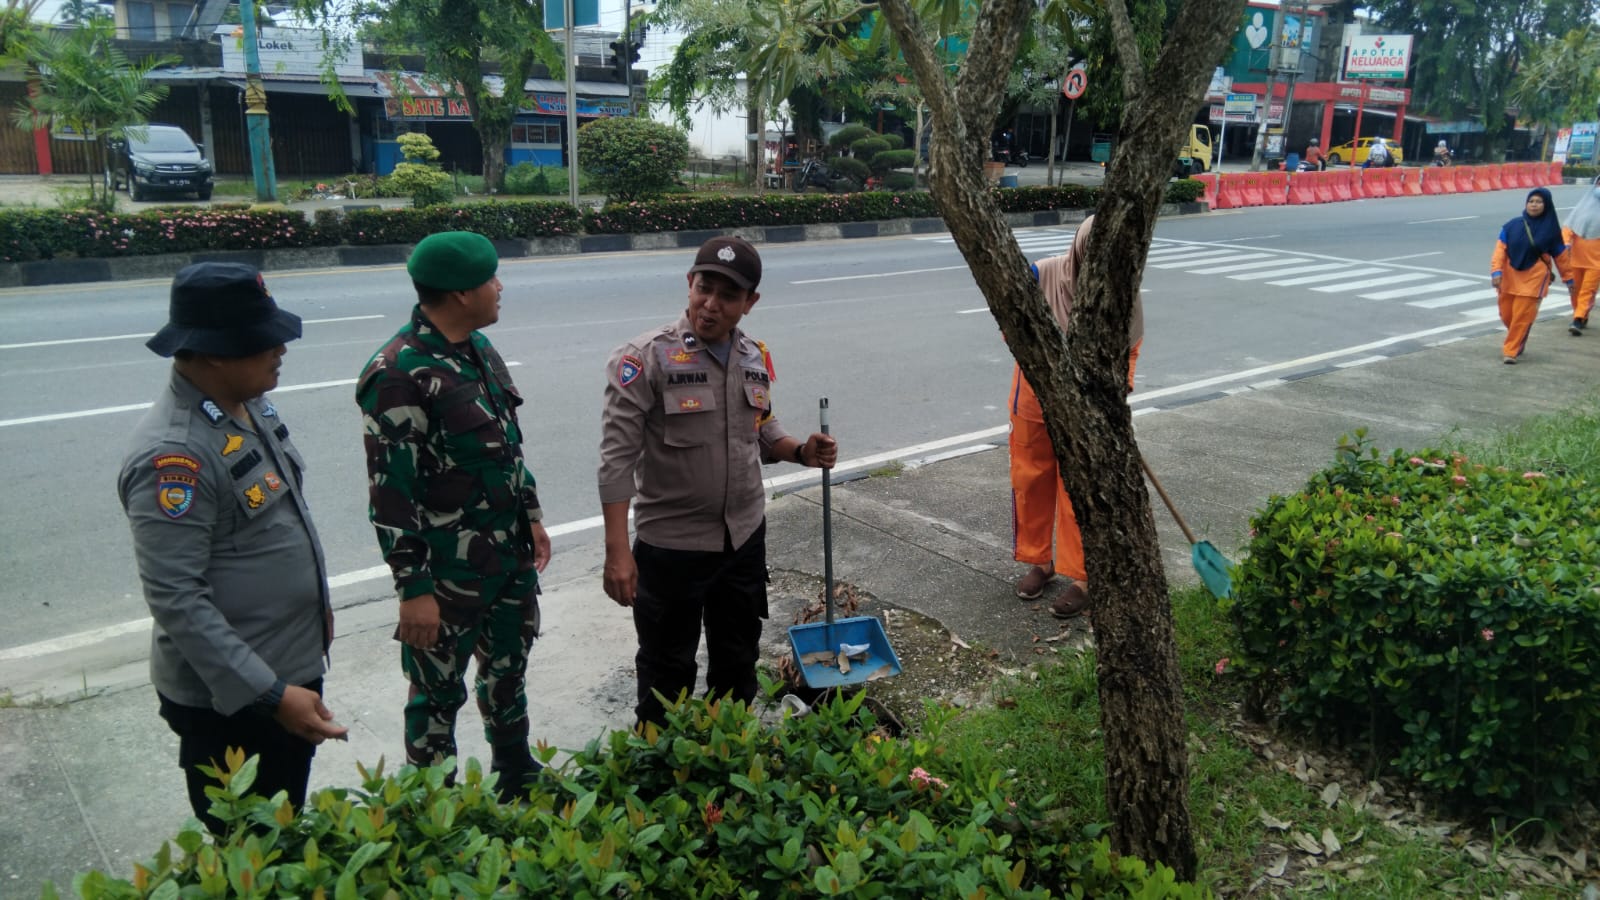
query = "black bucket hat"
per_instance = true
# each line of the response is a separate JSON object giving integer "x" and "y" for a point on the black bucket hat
{"x": 222, "y": 309}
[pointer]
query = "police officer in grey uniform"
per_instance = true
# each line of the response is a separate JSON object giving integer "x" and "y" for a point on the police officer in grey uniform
{"x": 231, "y": 565}
{"x": 687, "y": 424}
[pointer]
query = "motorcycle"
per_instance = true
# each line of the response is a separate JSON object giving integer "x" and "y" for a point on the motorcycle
{"x": 1011, "y": 156}
{"x": 816, "y": 173}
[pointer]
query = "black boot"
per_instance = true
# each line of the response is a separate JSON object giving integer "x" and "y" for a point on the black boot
{"x": 518, "y": 771}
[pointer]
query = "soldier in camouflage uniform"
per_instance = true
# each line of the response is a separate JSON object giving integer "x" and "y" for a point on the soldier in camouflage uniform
{"x": 455, "y": 507}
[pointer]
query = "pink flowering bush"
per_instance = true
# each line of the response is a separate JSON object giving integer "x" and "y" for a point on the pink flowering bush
{"x": 1434, "y": 614}
{"x": 495, "y": 220}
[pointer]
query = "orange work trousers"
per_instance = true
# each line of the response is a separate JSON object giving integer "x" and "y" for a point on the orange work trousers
{"x": 1517, "y": 313}
{"x": 1043, "y": 527}
{"x": 1587, "y": 282}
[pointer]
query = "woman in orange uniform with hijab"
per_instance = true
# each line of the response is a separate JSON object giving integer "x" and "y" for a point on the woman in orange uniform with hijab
{"x": 1044, "y": 529}
{"x": 1582, "y": 235}
{"x": 1521, "y": 268}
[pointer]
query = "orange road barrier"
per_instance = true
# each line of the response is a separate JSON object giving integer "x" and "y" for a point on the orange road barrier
{"x": 1345, "y": 186}
{"x": 1324, "y": 186}
{"x": 1210, "y": 195}
{"x": 1410, "y": 182}
{"x": 1274, "y": 188}
{"x": 1303, "y": 187}
{"x": 1229, "y": 193}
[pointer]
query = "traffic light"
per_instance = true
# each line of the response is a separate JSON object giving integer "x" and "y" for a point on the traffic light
{"x": 620, "y": 50}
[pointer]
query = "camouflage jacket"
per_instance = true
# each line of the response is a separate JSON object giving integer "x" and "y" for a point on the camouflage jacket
{"x": 450, "y": 494}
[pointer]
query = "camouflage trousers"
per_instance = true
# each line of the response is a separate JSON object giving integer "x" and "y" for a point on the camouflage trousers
{"x": 499, "y": 641}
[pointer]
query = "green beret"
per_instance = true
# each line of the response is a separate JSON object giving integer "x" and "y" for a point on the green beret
{"x": 453, "y": 261}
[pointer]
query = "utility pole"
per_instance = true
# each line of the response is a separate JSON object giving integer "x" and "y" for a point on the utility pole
{"x": 1266, "y": 113}
{"x": 1294, "y": 71}
{"x": 572, "y": 104}
{"x": 627, "y": 38}
{"x": 255, "y": 110}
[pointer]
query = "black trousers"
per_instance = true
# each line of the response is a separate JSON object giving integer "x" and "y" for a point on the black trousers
{"x": 204, "y": 736}
{"x": 681, "y": 591}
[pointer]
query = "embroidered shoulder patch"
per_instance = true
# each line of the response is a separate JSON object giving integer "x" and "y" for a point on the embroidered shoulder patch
{"x": 212, "y": 411}
{"x": 255, "y": 496}
{"x": 274, "y": 483}
{"x": 176, "y": 460}
{"x": 175, "y": 493}
{"x": 629, "y": 370}
{"x": 267, "y": 409}
{"x": 233, "y": 444}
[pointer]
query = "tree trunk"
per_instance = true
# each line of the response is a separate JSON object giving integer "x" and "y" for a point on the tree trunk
{"x": 1081, "y": 376}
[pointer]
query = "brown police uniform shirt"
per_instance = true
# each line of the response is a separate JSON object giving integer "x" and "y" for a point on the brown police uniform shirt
{"x": 684, "y": 437}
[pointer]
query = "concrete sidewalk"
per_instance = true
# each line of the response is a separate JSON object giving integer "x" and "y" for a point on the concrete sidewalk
{"x": 91, "y": 781}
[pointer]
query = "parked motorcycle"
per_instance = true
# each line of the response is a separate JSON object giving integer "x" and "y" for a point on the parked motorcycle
{"x": 818, "y": 174}
{"x": 1011, "y": 156}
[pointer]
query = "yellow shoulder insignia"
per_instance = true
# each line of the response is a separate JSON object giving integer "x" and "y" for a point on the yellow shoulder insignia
{"x": 232, "y": 445}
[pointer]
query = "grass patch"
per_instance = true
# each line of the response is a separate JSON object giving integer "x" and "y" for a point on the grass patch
{"x": 889, "y": 470}
{"x": 1561, "y": 442}
{"x": 1047, "y": 728}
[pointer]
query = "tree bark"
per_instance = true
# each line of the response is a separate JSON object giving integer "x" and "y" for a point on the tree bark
{"x": 1081, "y": 376}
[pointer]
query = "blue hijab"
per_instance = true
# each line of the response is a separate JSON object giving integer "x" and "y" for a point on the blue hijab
{"x": 1529, "y": 237}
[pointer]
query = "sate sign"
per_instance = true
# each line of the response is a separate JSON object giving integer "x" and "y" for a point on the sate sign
{"x": 426, "y": 108}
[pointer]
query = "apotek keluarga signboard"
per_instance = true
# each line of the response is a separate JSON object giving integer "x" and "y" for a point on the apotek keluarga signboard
{"x": 1378, "y": 56}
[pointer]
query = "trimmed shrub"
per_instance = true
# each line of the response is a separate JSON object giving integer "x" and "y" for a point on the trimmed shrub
{"x": 714, "y": 805}
{"x": 1582, "y": 173}
{"x": 855, "y": 168}
{"x": 895, "y": 141}
{"x": 526, "y": 178}
{"x": 693, "y": 214}
{"x": 899, "y": 181}
{"x": 629, "y": 158}
{"x": 848, "y": 135}
{"x": 1439, "y": 614}
{"x": 892, "y": 159}
{"x": 868, "y": 147}
{"x": 1185, "y": 190}
{"x": 53, "y": 234}
{"x": 419, "y": 177}
{"x": 496, "y": 220}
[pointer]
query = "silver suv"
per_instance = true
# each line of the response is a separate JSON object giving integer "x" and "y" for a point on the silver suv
{"x": 157, "y": 159}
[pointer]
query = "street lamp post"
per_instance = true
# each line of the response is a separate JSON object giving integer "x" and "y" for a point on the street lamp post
{"x": 255, "y": 110}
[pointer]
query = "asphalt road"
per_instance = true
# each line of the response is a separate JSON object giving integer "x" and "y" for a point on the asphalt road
{"x": 892, "y": 330}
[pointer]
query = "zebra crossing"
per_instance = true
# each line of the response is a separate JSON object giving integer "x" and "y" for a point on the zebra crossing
{"x": 1424, "y": 290}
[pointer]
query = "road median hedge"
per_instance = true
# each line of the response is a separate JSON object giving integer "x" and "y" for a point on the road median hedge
{"x": 27, "y": 235}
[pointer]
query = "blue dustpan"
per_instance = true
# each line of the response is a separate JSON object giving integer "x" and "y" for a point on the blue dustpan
{"x": 817, "y": 645}
{"x": 1209, "y": 563}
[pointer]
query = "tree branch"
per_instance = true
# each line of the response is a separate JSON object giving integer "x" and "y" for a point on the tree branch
{"x": 1127, "y": 51}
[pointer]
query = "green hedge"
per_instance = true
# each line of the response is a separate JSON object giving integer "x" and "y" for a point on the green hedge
{"x": 1582, "y": 173}
{"x": 38, "y": 234}
{"x": 715, "y": 805}
{"x": 1442, "y": 616}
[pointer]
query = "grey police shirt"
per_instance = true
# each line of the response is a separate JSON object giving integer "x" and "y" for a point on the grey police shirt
{"x": 231, "y": 565}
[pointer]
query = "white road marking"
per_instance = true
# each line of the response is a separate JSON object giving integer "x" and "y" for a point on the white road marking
{"x": 1373, "y": 282}
{"x": 1410, "y": 256}
{"x": 1293, "y": 270}
{"x": 1363, "y": 361}
{"x": 1258, "y": 237}
{"x": 1451, "y": 219}
{"x": 1202, "y": 265}
{"x": 1241, "y": 267}
{"x": 1415, "y": 289}
{"x": 1313, "y": 279}
{"x": 972, "y": 312}
{"x": 877, "y": 275}
{"x": 108, "y": 410}
{"x": 1455, "y": 299}
{"x": 146, "y": 335}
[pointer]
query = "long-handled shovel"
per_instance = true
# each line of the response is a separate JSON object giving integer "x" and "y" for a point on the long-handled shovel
{"x": 1208, "y": 561}
{"x": 843, "y": 651}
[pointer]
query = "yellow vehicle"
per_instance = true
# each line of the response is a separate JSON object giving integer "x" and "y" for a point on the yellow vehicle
{"x": 1355, "y": 152}
{"x": 1197, "y": 148}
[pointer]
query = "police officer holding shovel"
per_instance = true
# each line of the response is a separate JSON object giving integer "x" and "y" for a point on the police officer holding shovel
{"x": 688, "y": 422}
{"x": 231, "y": 566}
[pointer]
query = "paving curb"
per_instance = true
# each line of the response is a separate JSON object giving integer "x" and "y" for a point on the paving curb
{"x": 164, "y": 265}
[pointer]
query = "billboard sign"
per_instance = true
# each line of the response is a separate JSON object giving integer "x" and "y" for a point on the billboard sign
{"x": 1378, "y": 56}
{"x": 289, "y": 51}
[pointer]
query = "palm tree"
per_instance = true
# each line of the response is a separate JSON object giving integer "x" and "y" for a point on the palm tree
{"x": 87, "y": 86}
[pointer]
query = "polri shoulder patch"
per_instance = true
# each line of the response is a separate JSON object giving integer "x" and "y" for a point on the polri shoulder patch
{"x": 274, "y": 483}
{"x": 175, "y": 493}
{"x": 176, "y": 461}
{"x": 629, "y": 370}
